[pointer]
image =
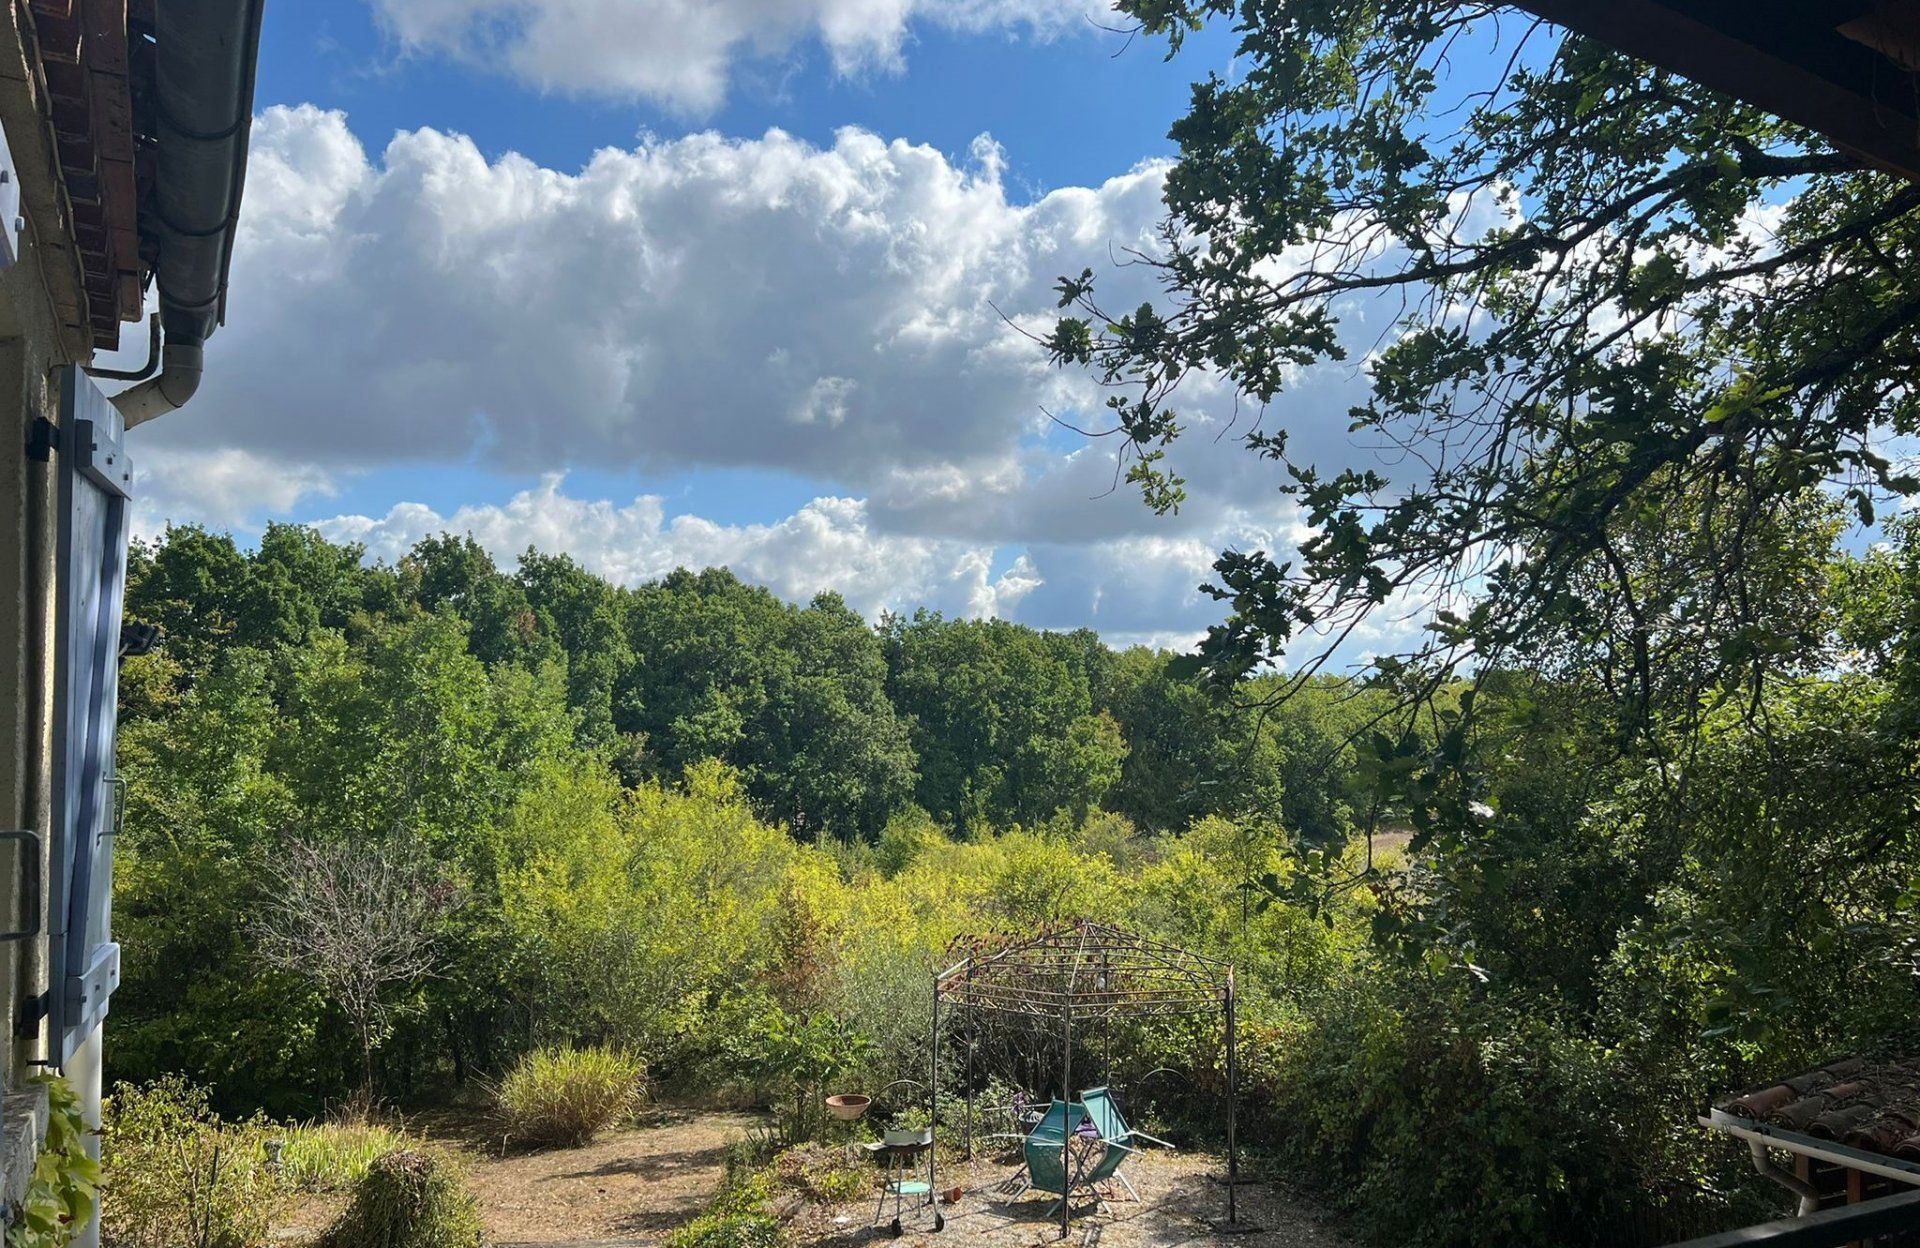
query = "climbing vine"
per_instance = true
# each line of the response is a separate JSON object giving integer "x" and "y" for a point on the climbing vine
{"x": 66, "y": 1180}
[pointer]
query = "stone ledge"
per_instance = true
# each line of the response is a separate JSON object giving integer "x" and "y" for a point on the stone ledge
{"x": 23, "y": 1128}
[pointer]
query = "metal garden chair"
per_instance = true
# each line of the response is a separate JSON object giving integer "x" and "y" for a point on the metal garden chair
{"x": 1112, "y": 1128}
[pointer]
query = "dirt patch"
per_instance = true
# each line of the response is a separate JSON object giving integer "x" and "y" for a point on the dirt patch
{"x": 1182, "y": 1202}
{"x": 636, "y": 1184}
{"x": 633, "y": 1185}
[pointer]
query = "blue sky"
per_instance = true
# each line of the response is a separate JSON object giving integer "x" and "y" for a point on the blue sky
{"x": 1071, "y": 108}
{"x": 664, "y": 282}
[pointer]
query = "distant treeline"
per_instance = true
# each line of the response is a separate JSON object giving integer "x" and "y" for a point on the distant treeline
{"x": 835, "y": 725}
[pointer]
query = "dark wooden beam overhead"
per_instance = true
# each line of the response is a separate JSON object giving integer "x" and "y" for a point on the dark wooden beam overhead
{"x": 1845, "y": 68}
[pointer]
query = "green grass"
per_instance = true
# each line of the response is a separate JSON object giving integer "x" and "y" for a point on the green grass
{"x": 331, "y": 1157}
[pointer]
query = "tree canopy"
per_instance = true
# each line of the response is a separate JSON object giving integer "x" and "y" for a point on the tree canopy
{"x": 1633, "y": 323}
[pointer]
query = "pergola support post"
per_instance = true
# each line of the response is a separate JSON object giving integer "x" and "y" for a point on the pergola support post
{"x": 1233, "y": 1103}
{"x": 973, "y": 1041}
{"x": 933, "y": 1099}
{"x": 1068, "y": 1125}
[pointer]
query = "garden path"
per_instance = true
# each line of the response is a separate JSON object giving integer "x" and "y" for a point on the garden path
{"x": 626, "y": 1189}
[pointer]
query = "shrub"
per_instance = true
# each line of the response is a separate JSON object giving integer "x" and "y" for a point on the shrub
{"x": 826, "y": 1174}
{"x": 744, "y": 1154}
{"x": 177, "y": 1176}
{"x": 331, "y": 1157}
{"x": 409, "y": 1198}
{"x": 728, "y": 1230}
{"x": 741, "y": 1216}
{"x": 1548, "y": 1133}
{"x": 567, "y": 1096}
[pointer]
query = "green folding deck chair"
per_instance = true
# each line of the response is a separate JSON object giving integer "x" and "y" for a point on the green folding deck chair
{"x": 1116, "y": 1135}
{"x": 1043, "y": 1149}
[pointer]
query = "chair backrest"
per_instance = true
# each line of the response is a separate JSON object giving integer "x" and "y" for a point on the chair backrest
{"x": 1045, "y": 1166}
{"x": 1105, "y": 1115}
{"x": 1102, "y": 1170}
{"x": 1061, "y": 1117}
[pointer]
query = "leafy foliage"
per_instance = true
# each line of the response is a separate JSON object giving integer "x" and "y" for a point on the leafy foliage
{"x": 1622, "y": 304}
{"x": 63, "y": 1194}
{"x": 741, "y": 1216}
{"x": 178, "y": 1176}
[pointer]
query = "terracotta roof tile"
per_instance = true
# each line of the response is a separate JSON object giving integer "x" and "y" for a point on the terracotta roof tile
{"x": 1872, "y": 1104}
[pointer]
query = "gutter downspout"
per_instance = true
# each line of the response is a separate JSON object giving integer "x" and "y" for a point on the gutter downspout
{"x": 1808, "y": 1194}
{"x": 205, "y": 56}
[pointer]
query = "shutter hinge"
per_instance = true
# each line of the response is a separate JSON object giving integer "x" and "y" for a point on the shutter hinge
{"x": 32, "y": 1010}
{"x": 43, "y": 439}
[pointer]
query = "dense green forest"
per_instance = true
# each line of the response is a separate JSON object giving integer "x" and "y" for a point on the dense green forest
{"x": 304, "y": 695}
{"x": 694, "y": 820}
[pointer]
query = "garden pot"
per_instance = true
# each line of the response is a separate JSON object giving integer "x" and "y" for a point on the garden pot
{"x": 848, "y": 1106}
{"x": 952, "y": 1195}
{"x": 901, "y": 1137}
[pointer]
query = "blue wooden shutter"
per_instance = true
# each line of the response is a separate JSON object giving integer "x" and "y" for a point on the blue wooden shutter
{"x": 96, "y": 479}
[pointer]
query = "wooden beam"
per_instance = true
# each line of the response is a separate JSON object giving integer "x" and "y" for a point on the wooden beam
{"x": 1805, "y": 72}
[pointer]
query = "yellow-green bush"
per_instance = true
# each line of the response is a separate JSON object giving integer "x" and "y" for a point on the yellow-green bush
{"x": 177, "y": 1174}
{"x": 410, "y": 1198}
{"x": 566, "y": 1097}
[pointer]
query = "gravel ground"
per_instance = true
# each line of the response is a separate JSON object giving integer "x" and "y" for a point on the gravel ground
{"x": 1182, "y": 1202}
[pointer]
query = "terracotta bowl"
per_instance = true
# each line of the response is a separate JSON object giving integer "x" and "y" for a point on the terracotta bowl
{"x": 848, "y": 1106}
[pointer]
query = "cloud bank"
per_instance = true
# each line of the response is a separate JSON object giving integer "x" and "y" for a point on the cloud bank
{"x": 683, "y": 53}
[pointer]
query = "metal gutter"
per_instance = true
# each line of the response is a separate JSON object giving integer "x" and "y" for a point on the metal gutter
{"x": 205, "y": 59}
{"x": 1830, "y": 1151}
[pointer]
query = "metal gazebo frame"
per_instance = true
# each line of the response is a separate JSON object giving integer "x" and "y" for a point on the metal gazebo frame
{"x": 1091, "y": 972}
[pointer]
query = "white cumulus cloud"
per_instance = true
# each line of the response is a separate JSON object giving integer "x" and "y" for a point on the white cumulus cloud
{"x": 847, "y": 315}
{"x": 221, "y": 487}
{"x": 828, "y": 544}
{"x": 683, "y": 53}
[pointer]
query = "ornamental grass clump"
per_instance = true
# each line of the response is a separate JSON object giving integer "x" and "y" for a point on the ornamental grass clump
{"x": 565, "y": 1097}
{"x": 410, "y": 1198}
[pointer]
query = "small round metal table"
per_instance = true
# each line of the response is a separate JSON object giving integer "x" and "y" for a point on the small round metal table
{"x": 901, "y": 1163}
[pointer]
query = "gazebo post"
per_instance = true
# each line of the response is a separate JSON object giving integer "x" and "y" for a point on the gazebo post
{"x": 1233, "y": 1098}
{"x": 973, "y": 1040}
{"x": 933, "y": 1096}
{"x": 1068, "y": 1126}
